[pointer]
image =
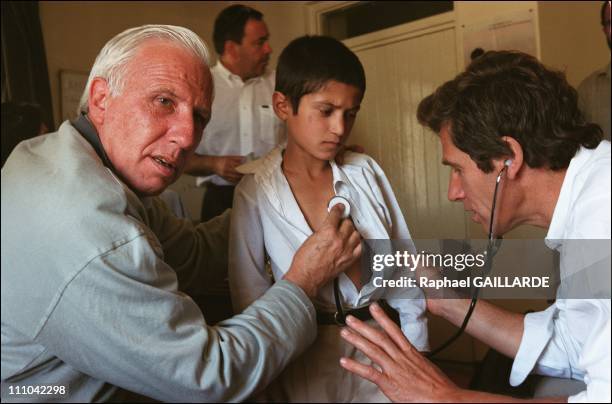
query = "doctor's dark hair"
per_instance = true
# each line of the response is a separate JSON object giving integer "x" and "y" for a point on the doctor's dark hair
{"x": 230, "y": 23}
{"x": 308, "y": 63}
{"x": 512, "y": 94}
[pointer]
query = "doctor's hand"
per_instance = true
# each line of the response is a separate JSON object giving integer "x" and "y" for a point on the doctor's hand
{"x": 326, "y": 253}
{"x": 405, "y": 375}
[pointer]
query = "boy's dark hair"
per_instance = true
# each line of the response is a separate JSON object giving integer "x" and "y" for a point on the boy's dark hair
{"x": 603, "y": 12}
{"x": 505, "y": 93}
{"x": 309, "y": 62}
{"x": 230, "y": 23}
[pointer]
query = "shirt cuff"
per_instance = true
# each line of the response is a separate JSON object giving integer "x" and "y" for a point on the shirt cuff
{"x": 538, "y": 330}
{"x": 302, "y": 300}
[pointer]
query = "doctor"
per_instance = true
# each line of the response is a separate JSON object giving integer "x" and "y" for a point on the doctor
{"x": 95, "y": 268}
{"x": 508, "y": 110}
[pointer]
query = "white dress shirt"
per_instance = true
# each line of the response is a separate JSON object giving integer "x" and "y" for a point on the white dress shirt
{"x": 267, "y": 219}
{"x": 571, "y": 339}
{"x": 243, "y": 122}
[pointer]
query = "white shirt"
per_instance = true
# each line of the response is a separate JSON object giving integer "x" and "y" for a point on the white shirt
{"x": 571, "y": 339}
{"x": 243, "y": 122}
{"x": 266, "y": 216}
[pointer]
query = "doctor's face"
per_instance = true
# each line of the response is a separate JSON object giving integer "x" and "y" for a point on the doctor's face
{"x": 150, "y": 129}
{"x": 469, "y": 184}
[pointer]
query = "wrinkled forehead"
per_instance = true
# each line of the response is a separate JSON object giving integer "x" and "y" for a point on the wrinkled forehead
{"x": 162, "y": 61}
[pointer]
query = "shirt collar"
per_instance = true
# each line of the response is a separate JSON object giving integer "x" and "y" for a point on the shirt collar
{"x": 224, "y": 72}
{"x": 341, "y": 182}
{"x": 84, "y": 126}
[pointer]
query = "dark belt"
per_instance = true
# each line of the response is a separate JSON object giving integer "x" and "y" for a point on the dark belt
{"x": 362, "y": 313}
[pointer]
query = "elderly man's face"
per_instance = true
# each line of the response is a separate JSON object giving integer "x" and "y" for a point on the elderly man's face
{"x": 154, "y": 125}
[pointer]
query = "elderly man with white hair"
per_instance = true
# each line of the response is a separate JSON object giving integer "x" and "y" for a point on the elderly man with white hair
{"x": 94, "y": 266}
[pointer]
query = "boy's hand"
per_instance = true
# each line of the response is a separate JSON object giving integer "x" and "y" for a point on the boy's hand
{"x": 326, "y": 253}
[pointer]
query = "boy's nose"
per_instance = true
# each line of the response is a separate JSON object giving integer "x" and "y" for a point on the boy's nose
{"x": 338, "y": 126}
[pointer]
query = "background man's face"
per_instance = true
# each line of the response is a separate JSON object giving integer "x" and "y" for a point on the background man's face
{"x": 154, "y": 125}
{"x": 254, "y": 51}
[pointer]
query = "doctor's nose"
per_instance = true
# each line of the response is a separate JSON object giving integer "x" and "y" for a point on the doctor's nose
{"x": 455, "y": 189}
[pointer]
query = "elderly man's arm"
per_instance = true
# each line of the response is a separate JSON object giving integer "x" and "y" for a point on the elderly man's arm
{"x": 405, "y": 375}
{"x": 136, "y": 331}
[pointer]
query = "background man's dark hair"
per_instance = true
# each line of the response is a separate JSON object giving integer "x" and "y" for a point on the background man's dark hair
{"x": 505, "y": 93}
{"x": 20, "y": 121}
{"x": 309, "y": 62}
{"x": 229, "y": 25}
{"x": 603, "y": 12}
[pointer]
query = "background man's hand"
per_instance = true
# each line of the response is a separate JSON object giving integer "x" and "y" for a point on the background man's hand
{"x": 405, "y": 375}
{"x": 225, "y": 167}
{"x": 325, "y": 254}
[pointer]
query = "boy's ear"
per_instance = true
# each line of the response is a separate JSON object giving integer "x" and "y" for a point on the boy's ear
{"x": 282, "y": 105}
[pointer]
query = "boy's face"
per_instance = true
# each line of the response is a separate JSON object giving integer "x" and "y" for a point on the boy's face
{"x": 324, "y": 119}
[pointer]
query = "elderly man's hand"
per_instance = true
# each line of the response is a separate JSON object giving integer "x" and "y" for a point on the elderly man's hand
{"x": 405, "y": 375}
{"x": 325, "y": 254}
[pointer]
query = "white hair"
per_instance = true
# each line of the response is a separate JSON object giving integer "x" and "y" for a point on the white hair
{"x": 113, "y": 58}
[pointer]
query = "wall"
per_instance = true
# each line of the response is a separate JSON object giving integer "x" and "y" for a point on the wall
{"x": 572, "y": 38}
{"x": 74, "y": 31}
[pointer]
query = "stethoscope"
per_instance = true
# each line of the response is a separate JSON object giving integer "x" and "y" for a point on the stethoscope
{"x": 493, "y": 245}
{"x": 339, "y": 316}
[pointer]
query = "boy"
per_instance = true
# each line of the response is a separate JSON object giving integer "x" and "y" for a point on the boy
{"x": 284, "y": 197}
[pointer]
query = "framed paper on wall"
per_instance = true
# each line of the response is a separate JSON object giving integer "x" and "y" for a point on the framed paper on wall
{"x": 72, "y": 84}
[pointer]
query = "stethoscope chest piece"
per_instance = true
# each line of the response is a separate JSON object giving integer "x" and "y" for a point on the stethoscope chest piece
{"x": 340, "y": 200}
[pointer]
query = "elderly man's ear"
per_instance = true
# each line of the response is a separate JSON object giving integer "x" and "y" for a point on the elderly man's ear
{"x": 99, "y": 93}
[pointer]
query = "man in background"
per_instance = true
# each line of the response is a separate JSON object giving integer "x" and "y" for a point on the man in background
{"x": 243, "y": 124}
{"x": 594, "y": 91}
